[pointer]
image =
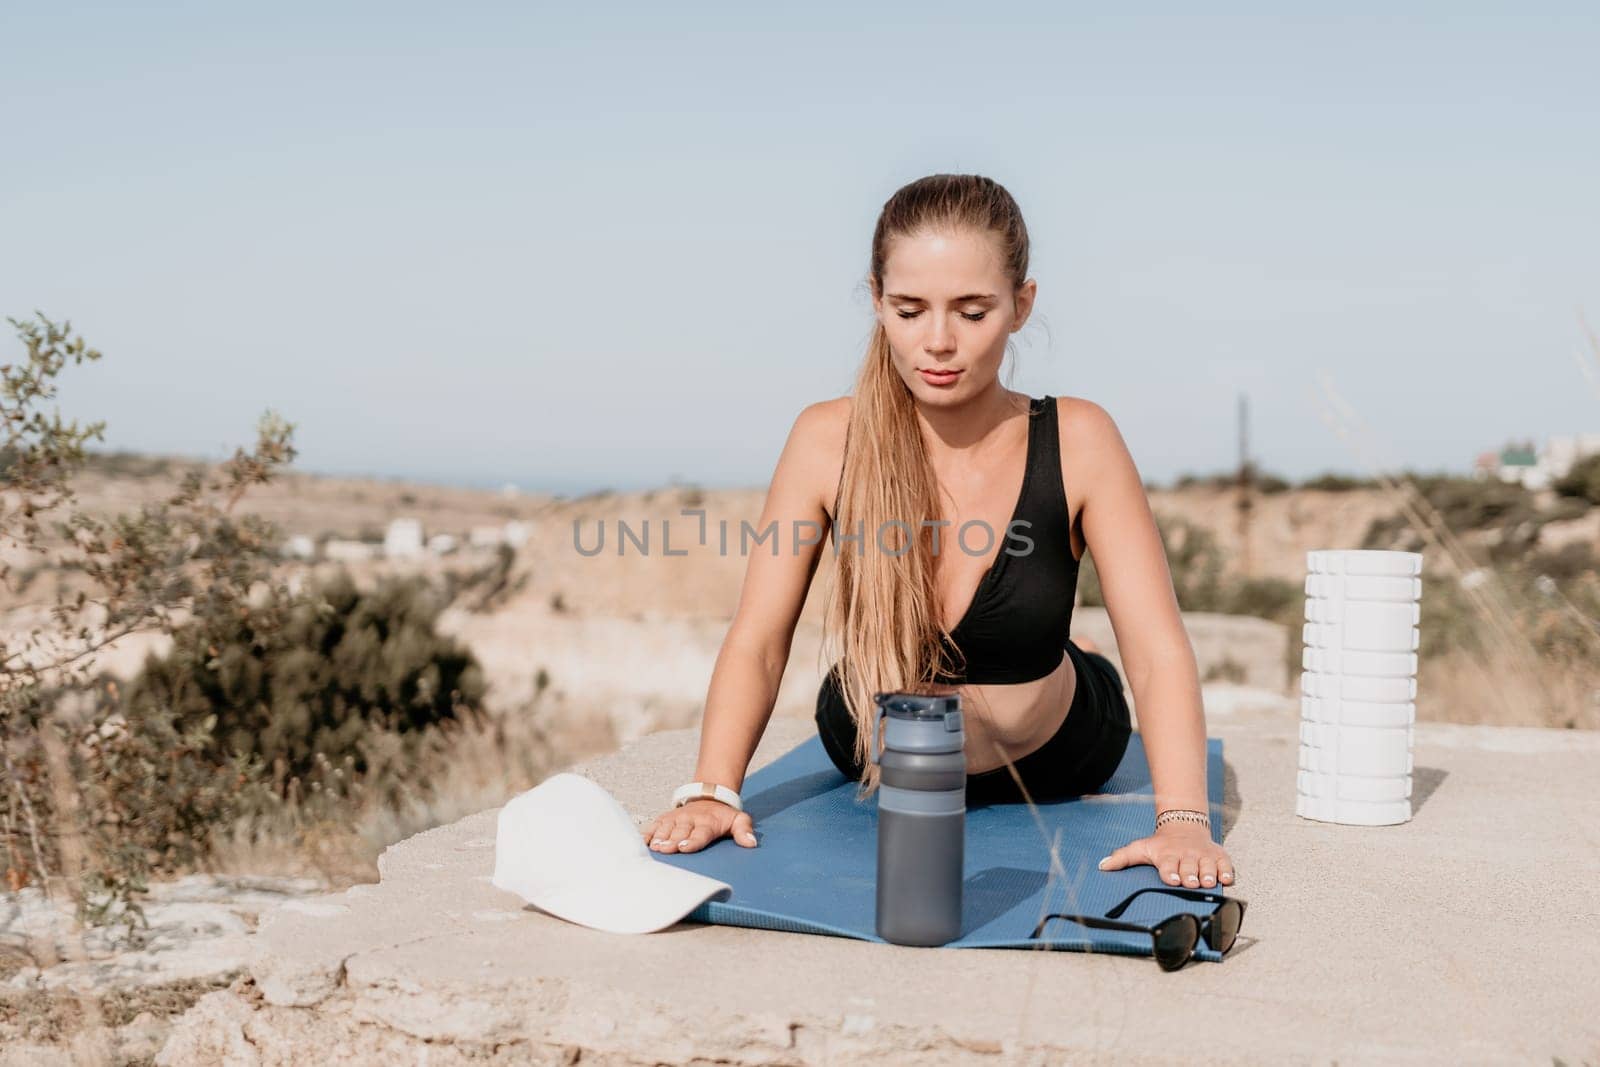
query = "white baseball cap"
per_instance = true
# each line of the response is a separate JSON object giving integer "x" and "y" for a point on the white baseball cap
{"x": 569, "y": 848}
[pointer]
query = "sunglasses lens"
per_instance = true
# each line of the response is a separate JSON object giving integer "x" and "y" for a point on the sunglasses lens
{"x": 1175, "y": 941}
{"x": 1225, "y": 925}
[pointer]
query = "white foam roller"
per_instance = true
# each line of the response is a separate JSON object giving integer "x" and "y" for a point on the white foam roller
{"x": 1364, "y": 762}
{"x": 1353, "y": 812}
{"x": 1364, "y": 561}
{"x": 1363, "y": 612}
{"x": 1327, "y": 735}
{"x": 1349, "y": 587}
{"x": 1355, "y": 687}
{"x": 1357, "y": 712}
{"x": 1331, "y": 761}
{"x": 1372, "y": 664}
{"x": 1373, "y": 639}
{"x": 1373, "y": 625}
{"x": 1353, "y": 786}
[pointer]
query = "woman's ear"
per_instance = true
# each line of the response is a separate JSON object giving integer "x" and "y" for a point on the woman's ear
{"x": 1024, "y": 301}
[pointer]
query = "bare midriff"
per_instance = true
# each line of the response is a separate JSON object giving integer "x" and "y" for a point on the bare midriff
{"x": 1005, "y": 721}
{"x": 1008, "y": 721}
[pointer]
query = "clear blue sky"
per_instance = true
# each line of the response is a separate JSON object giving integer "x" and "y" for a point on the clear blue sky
{"x": 598, "y": 245}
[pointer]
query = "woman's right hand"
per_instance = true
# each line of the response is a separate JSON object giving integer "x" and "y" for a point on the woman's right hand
{"x": 698, "y": 823}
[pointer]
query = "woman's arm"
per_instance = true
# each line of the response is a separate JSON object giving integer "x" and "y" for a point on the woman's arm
{"x": 1157, "y": 656}
{"x": 750, "y": 665}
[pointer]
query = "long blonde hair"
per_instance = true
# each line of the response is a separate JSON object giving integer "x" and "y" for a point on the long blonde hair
{"x": 883, "y": 608}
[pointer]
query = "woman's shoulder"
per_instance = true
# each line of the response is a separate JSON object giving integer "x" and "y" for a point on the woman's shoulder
{"x": 819, "y": 436}
{"x": 1083, "y": 424}
{"x": 828, "y": 414}
{"x": 821, "y": 426}
{"x": 1090, "y": 444}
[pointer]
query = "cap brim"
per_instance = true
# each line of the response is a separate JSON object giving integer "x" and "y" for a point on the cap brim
{"x": 637, "y": 895}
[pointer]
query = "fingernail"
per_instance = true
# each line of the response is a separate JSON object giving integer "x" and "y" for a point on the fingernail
{"x": 1102, "y": 863}
{"x": 685, "y": 841}
{"x": 1173, "y": 877}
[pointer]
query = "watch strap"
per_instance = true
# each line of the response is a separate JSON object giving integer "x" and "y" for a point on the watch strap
{"x": 705, "y": 791}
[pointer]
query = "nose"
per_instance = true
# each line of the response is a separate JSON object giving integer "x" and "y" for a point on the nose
{"x": 942, "y": 337}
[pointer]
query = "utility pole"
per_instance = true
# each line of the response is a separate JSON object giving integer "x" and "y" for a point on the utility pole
{"x": 1246, "y": 478}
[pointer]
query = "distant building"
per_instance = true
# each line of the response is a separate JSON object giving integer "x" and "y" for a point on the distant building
{"x": 301, "y": 547}
{"x": 1520, "y": 463}
{"x": 403, "y": 540}
{"x": 441, "y": 544}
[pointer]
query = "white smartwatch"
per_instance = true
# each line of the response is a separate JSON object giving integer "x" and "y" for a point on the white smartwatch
{"x": 705, "y": 791}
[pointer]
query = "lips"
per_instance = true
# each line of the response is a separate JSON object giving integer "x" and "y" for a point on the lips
{"x": 939, "y": 377}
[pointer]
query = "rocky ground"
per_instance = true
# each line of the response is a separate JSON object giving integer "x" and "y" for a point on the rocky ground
{"x": 55, "y": 975}
{"x": 1373, "y": 945}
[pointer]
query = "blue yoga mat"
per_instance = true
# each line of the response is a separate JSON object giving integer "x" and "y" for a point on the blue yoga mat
{"x": 815, "y": 868}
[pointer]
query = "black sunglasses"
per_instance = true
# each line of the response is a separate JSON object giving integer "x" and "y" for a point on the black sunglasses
{"x": 1175, "y": 937}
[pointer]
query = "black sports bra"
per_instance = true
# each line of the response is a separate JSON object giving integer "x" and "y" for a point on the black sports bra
{"x": 1015, "y": 629}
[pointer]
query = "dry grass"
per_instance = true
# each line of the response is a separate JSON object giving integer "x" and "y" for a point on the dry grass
{"x": 48, "y": 1018}
{"x": 339, "y": 839}
{"x": 1465, "y": 687}
{"x": 336, "y": 839}
{"x": 1512, "y": 680}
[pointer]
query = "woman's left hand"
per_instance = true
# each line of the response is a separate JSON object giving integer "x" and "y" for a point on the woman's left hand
{"x": 1182, "y": 851}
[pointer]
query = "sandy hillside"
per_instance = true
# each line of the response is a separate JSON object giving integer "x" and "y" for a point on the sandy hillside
{"x": 635, "y": 632}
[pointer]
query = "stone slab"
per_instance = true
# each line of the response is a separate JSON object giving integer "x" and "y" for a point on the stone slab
{"x": 1468, "y": 934}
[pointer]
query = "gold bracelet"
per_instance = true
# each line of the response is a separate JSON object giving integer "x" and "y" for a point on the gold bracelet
{"x": 1185, "y": 814}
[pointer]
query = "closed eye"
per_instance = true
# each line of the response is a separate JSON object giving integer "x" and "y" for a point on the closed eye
{"x": 970, "y": 318}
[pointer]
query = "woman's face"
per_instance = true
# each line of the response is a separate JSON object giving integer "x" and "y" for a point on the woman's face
{"x": 948, "y": 308}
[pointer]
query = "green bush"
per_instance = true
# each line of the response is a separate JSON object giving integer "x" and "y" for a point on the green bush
{"x": 1574, "y": 560}
{"x": 1449, "y": 621}
{"x": 1270, "y": 484}
{"x": 121, "y": 464}
{"x": 1582, "y": 481}
{"x": 1466, "y": 504}
{"x": 1263, "y": 482}
{"x": 312, "y": 675}
{"x": 488, "y": 587}
{"x": 156, "y": 792}
{"x": 1228, "y": 670}
{"x": 1196, "y": 561}
{"x": 1338, "y": 483}
{"x": 1264, "y": 598}
{"x": 1220, "y": 480}
{"x": 90, "y": 797}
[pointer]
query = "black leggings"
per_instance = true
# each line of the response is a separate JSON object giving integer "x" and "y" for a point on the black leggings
{"x": 1079, "y": 758}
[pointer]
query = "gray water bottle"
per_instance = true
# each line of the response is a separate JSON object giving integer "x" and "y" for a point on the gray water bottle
{"x": 922, "y": 817}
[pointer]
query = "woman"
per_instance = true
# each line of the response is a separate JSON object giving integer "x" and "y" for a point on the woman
{"x": 959, "y": 511}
